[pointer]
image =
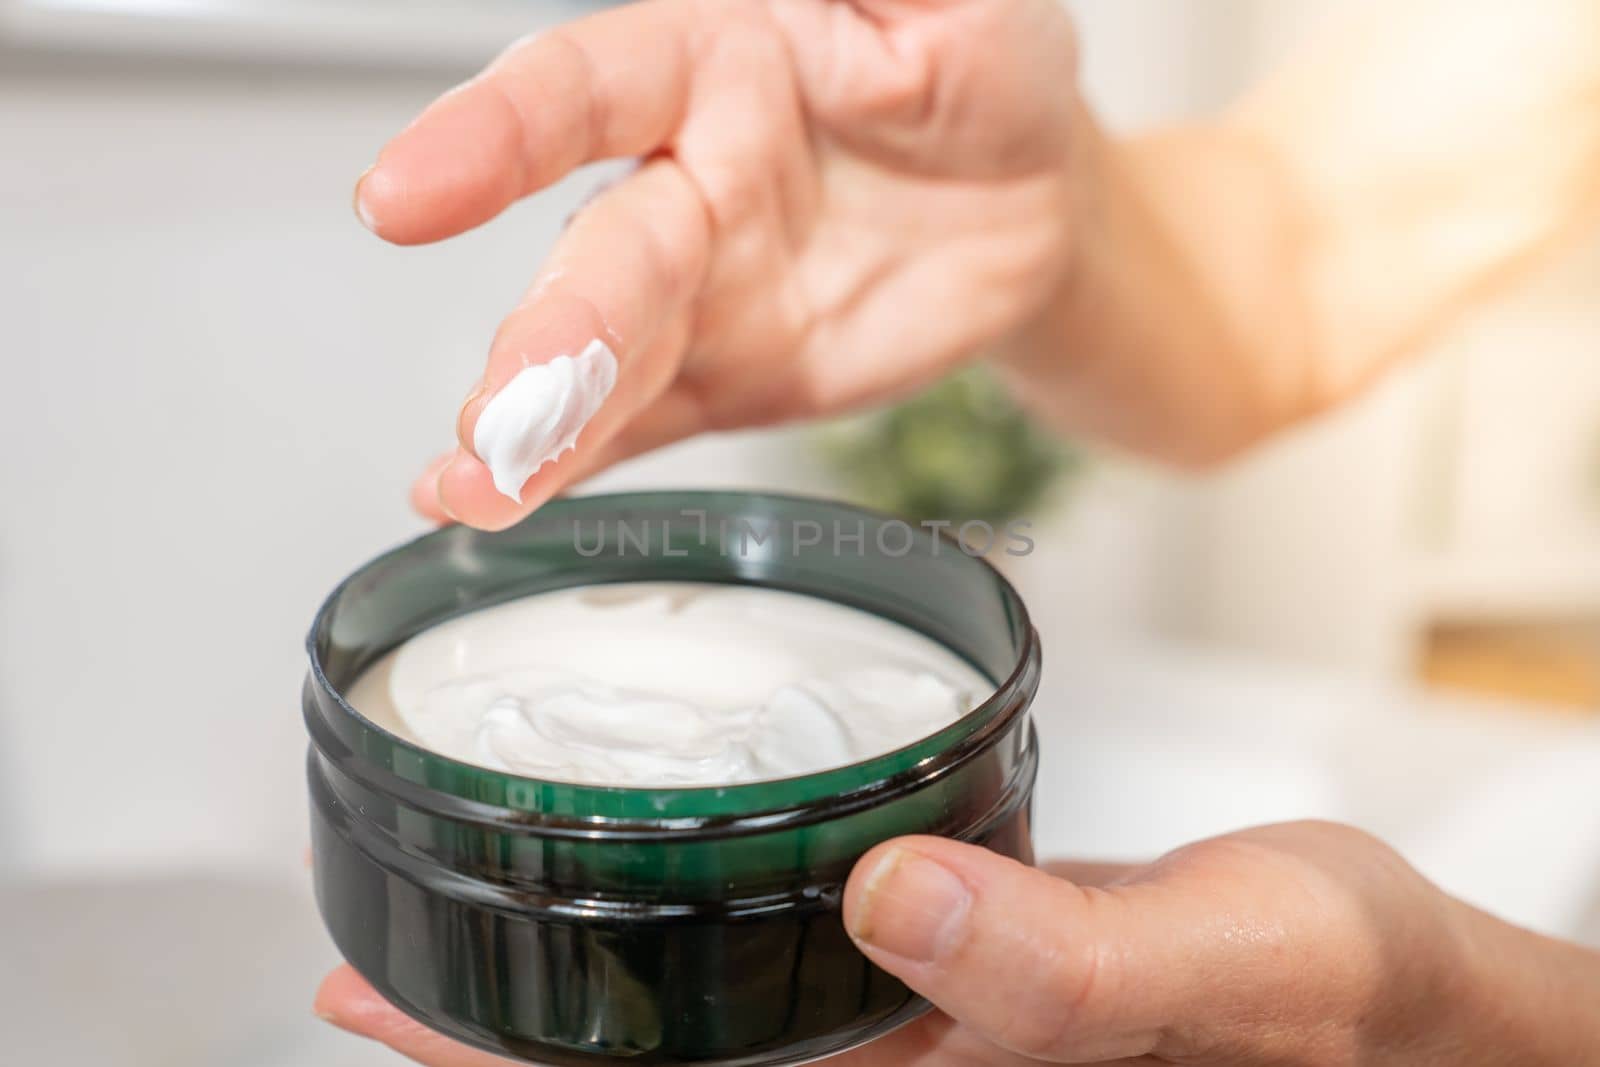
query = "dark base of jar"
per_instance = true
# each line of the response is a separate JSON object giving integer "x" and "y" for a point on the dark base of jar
{"x": 535, "y": 1053}
{"x": 714, "y": 991}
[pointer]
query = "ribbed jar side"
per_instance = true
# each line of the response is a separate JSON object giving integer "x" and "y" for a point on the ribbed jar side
{"x": 579, "y": 925}
{"x": 689, "y": 972}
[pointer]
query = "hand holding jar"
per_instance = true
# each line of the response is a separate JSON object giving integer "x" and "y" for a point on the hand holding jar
{"x": 1304, "y": 943}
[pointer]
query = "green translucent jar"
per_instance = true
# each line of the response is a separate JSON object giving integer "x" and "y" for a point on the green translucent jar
{"x": 574, "y": 925}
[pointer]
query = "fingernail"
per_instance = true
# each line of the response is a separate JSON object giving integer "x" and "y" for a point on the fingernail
{"x": 359, "y": 205}
{"x": 478, "y": 392}
{"x": 438, "y": 487}
{"x": 912, "y": 907}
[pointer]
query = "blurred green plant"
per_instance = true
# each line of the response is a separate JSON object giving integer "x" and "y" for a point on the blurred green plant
{"x": 961, "y": 449}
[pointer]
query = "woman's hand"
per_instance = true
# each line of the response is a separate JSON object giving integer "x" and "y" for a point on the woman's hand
{"x": 837, "y": 202}
{"x": 1306, "y": 943}
{"x": 840, "y": 199}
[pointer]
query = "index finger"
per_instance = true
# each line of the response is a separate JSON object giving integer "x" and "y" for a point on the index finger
{"x": 609, "y": 85}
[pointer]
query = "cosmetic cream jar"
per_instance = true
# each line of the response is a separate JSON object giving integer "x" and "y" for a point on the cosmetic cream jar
{"x": 574, "y": 925}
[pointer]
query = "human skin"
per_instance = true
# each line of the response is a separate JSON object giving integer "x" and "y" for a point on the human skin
{"x": 840, "y": 201}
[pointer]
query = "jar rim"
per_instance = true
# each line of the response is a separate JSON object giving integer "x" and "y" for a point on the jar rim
{"x": 485, "y": 793}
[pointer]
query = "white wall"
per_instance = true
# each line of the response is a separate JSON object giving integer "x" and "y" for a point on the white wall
{"x": 216, "y": 387}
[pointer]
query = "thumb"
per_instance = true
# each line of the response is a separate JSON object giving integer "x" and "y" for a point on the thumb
{"x": 1038, "y": 965}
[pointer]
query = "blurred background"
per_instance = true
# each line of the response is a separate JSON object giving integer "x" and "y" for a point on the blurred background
{"x": 217, "y": 387}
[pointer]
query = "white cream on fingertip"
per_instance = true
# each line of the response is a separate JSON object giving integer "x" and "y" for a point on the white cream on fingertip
{"x": 537, "y": 415}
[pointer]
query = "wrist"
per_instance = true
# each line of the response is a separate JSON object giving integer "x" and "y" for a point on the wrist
{"x": 1178, "y": 328}
{"x": 1522, "y": 999}
{"x": 1079, "y": 229}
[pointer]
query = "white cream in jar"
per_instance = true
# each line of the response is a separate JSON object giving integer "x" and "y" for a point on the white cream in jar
{"x": 667, "y": 684}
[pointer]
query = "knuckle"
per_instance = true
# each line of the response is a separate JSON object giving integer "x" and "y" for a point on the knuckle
{"x": 669, "y": 244}
{"x": 1041, "y": 1028}
{"x": 734, "y": 193}
{"x": 700, "y": 394}
{"x": 514, "y": 131}
{"x": 571, "y": 68}
{"x": 662, "y": 264}
{"x": 903, "y": 92}
{"x": 1078, "y": 976}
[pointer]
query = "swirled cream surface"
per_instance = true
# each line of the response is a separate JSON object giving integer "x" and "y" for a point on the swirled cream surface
{"x": 667, "y": 684}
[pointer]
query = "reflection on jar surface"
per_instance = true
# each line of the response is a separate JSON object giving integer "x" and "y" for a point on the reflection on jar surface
{"x": 570, "y": 924}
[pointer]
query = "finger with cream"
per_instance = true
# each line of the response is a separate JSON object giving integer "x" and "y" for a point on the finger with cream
{"x": 667, "y": 684}
{"x": 537, "y": 415}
